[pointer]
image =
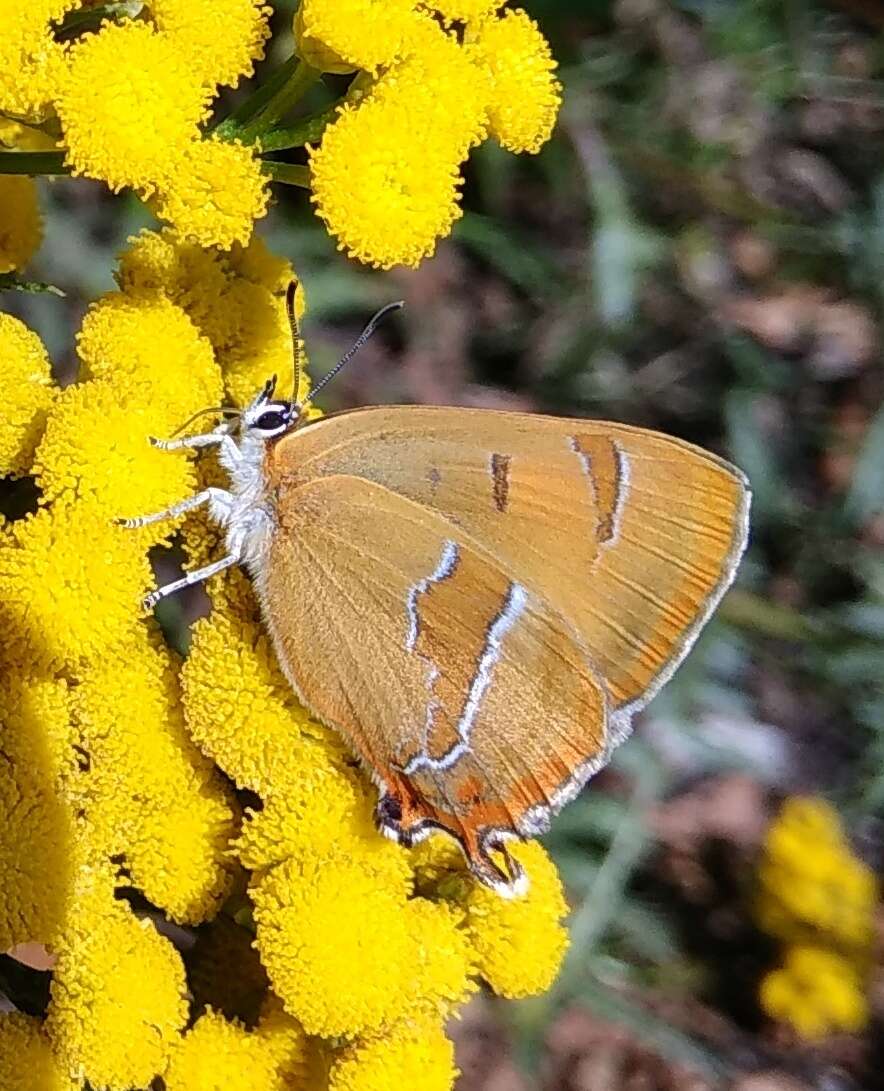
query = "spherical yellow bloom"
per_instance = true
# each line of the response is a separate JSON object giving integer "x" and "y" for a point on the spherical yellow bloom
{"x": 526, "y": 96}
{"x": 133, "y": 341}
{"x": 235, "y": 298}
{"x": 413, "y": 1055}
{"x": 364, "y": 33}
{"x": 21, "y": 229}
{"x": 90, "y": 603}
{"x": 130, "y": 105}
{"x": 28, "y": 54}
{"x": 345, "y": 950}
{"x": 213, "y": 193}
{"x": 149, "y": 796}
{"x": 466, "y": 11}
{"x": 118, "y": 993}
{"x": 223, "y": 38}
{"x": 26, "y": 1059}
{"x": 96, "y": 447}
{"x": 435, "y": 73}
{"x": 519, "y": 944}
{"x": 810, "y": 882}
{"x": 407, "y": 197}
{"x": 27, "y": 394}
{"x": 217, "y": 1055}
{"x": 334, "y": 941}
{"x": 817, "y": 991}
{"x": 37, "y": 832}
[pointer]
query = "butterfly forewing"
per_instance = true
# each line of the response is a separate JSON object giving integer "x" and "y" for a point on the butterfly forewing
{"x": 533, "y": 578}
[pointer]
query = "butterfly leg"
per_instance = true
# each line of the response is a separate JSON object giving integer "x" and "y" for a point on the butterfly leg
{"x": 197, "y": 576}
{"x": 218, "y": 437}
{"x": 219, "y": 496}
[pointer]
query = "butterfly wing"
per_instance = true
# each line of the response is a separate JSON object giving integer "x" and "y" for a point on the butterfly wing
{"x": 470, "y": 698}
{"x": 631, "y": 535}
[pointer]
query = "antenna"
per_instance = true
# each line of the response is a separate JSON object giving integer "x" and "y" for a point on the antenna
{"x": 296, "y": 337}
{"x": 357, "y": 345}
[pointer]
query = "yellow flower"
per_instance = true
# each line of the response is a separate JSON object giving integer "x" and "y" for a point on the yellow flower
{"x": 435, "y": 73}
{"x": 526, "y": 96}
{"x": 118, "y": 993}
{"x": 413, "y": 1055}
{"x": 28, "y": 55}
{"x": 213, "y": 193}
{"x": 217, "y": 1055}
{"x": 465, "y": 11}
{"x": 408, "y": 191}
{"x": 27, "y": 394}
{"x": 96, "y": 447}
{"x": 37, "y": 834}
{"x": 21, "y": 229}
{"x": 223, "y": 38}
{"x": 130, "y": 105}
{"x": 347, "y": 952}
{"x": 90, "y": 603}
{"x": 151, "y": 799}
{"x": 131, "y": 342}
{"x": 809, "y": 881}
{"x": 817, "y": 992}
{"x": 364, "y": 33}
{"x": 26, "y": 1059}
{"x": 520, "y": 943}
{"x": 235, "y": 299}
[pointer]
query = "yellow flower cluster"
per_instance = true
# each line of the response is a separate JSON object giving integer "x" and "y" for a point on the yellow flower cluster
{"x": 435, "y": 94}
{"x": 113, "y": 754}
{"x": 815, "y": 896}
{"x": 132, "y": 100}
{"x": 131, "y": 96}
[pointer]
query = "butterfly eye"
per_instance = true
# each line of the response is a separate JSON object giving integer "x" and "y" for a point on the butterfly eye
{"x": 271, "y": 421}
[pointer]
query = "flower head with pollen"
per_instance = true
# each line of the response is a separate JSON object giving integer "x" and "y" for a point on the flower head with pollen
{"x": 130, "y": 104}
{"x": 519, "y": 944}
{"x": 118, "y": 992}
{"x": 526, "y": 94}
{"x": 214, "y": 193}
{"x": 409, "y": 183}
{"x": 223, "y": 38}
{"x": 21, "y": 228}
{"x": 412, "y": 1055}
{"x": 27, "y": 1061}
{"x": 29, "y": 57}
{"x": 27, "y": 394}
{"x": 364, "y": 33}
{"x": 466, "y": 11}
{"x": 217, "y": 1054}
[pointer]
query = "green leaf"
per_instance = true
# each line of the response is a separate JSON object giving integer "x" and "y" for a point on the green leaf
{"x": 11, "y": 282}
{"x": 866, "y": 495}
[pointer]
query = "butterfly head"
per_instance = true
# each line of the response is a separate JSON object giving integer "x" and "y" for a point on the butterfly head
{"x": 268, "y": 417}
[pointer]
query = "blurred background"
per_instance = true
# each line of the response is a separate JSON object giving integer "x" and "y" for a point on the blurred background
{"x": 700, "y": 249}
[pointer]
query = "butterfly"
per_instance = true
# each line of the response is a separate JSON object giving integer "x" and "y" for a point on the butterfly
{"x": 478, "y": 601}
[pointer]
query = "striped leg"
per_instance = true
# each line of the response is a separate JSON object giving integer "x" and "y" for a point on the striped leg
{"x": 197, "y": 576}
{"x": 220, "y": 496}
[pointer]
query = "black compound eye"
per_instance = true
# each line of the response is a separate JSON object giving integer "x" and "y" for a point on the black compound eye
{"x": 270, "y": 421}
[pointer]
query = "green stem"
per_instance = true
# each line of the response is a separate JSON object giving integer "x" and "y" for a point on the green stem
{"x": 286, "y": 92}
{"x": 294, "y": 174}
{"x": 307, "y": 131}
{"x": 33, "y": 163}
{"x": 257, "y": 100}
